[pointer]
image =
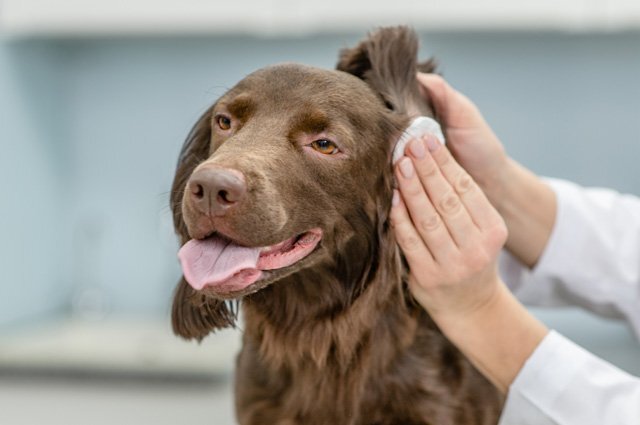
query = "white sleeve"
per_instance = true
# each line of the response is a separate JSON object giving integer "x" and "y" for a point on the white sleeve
{"x": 592, "y": 258}
{"x": 563, "y": 384}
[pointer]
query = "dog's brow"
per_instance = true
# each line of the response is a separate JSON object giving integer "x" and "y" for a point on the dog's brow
{"x": 241, "y": 106}
{"x": 310, "y": 121}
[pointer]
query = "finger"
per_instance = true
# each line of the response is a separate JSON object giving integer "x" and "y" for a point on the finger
{"x": 455, "y": 109}
{"x": 446, "y": 200}
{"x": 424, "y": 215}
{"x": 436, "y": 88}
{"x": 412, "y": 245}
{"x": 483, "y": 214}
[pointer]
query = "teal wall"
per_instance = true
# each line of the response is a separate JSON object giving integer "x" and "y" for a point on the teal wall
{"x": 32, "y": 194}
{"x": 90, "y": 131}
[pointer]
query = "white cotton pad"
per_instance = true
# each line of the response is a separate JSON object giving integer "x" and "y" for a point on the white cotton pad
{"x": 418, "y": 128}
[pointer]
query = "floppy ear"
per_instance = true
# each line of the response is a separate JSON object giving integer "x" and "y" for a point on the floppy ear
{"x": 387, "y": 61}
{"x": 193, "y": 315}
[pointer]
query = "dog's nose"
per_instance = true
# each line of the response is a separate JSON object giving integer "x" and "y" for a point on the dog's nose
{"x": 215, "y": 190}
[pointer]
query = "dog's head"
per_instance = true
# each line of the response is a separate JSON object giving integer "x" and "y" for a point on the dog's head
{"x": 287, "y": 170}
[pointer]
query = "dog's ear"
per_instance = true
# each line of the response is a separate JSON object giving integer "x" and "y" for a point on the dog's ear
{"x": 193, "y": 315}
{"x": 387, "y": 61}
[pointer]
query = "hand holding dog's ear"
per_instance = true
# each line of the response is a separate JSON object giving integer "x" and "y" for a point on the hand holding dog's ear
{"x": 451, "y": 236}
{"x": 472, "y": 142}
{"x": 527, "y": 204}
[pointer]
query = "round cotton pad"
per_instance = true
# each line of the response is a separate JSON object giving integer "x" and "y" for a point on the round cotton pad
{"x": 419, "y": 127}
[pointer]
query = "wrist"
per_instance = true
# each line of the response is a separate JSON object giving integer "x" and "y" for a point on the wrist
{"x": 528, "y": 206}
{"x": 501, "y": 187}
{"x": 453, "y": 321}
{"x": 466, "y": 304}
{"x": 498, "y": 337}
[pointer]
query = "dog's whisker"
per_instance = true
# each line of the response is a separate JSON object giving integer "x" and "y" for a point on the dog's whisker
{"x": 217, "y": 91}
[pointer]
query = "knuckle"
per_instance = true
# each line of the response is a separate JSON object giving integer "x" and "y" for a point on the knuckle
{"x": 497, "y": 235}
{"x": 478, "y": 262}
{"x": 464, "y": 183}
{"x": 428, "y": 169}
{"x": 408, "y": 241}
{"x": 450, "y": 204}
{"x": 472, "y": 264}
{"x": 429, "y": 223}
{"x": 413, "y": 190}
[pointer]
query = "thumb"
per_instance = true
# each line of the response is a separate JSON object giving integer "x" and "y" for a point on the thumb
{"x": 454, "y": 108}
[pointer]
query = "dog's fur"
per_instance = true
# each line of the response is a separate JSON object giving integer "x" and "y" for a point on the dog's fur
{"x": 336, "y": 338}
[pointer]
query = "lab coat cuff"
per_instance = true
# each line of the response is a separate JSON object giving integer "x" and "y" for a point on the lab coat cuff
{"x": 544, "y": 378}
{"x": 563, "y": 235}
{"x": 525, "y": 282}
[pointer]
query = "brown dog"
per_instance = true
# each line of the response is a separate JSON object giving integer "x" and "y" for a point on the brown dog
{"x": 281, "y": 197}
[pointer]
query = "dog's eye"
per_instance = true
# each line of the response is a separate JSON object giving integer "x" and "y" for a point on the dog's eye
{"x": 325, "y": 146}
{"x": 223, "y": 121}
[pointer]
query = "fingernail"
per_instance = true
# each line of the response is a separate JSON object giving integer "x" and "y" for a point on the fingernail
{"x": 406, "y": 168}
{"x": 417, "y": 148}
{"x": 396, "y": 198}
{"x": 432, "y": 142}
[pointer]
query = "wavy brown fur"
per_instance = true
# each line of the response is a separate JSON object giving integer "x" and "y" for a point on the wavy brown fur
{"x": 386, "y": 60}
{"x": 337, "y": 339}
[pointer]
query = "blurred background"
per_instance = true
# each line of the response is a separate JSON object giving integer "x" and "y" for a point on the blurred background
{"x": 96, "y": 98}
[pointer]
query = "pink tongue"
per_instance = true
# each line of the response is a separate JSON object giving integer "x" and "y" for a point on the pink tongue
{"x": 215, "y": 261}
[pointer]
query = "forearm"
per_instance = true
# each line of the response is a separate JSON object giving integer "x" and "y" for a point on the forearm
{"x": 525, "y": 202}
{"x": 528, "y": 206}
{"x": 497, "y": 338}
{"x": 592, "y": 258}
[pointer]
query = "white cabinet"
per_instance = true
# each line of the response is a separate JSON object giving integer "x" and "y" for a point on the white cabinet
{"x": 277, "y": 17}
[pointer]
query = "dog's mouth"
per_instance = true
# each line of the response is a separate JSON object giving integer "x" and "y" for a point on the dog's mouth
{"x": 226, "y": 268}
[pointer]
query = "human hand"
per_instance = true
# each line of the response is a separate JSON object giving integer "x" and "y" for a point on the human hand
{"x": 449, "y": 232}
{"x": 472, "y": 142}
{"x": 525, "y": 202}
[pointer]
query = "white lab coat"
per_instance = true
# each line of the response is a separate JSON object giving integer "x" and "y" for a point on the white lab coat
{"x": 591, "y": 260}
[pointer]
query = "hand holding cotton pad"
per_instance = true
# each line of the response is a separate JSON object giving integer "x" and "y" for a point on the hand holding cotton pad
{"x": 418, "y": 128}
